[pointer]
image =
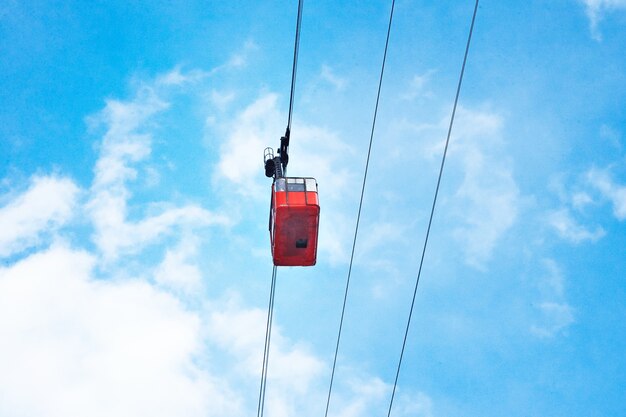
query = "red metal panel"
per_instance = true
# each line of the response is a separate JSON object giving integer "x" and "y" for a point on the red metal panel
{"x": 312, "y": 199}
{"x": 294, "y": 227}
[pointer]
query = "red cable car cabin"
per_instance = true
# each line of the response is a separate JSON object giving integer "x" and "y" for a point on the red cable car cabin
{"x": 294, "y": 220}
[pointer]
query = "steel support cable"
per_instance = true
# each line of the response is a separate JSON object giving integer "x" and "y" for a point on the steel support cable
{"x": 358, "y": 217}
{"x": 432, "y": 210}
{"x": 296, "y": 48}
{"x": 270, "y": 308}
{"x": 284, "y": 141}
{"x": 266, "y": 349}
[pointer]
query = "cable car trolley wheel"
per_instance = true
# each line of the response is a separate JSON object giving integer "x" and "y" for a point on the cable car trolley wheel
{"x": 294, "y": 221}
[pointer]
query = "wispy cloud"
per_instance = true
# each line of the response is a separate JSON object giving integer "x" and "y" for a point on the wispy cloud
{"x": 491, "y": 202}
{"x": 364, "y": 396}
{"x": 614, "y": 192}
{"x": 612, "y": 136}
{"x": 260, "y": 125}
{"x": 417, "y": 405}
{"x": 241, "y": 154}
{"x": 239, "y": 331}
{"x": 555, "y": 314}
{"x": 221, "y": 100}
{"x": 418, "y": 87}
{"x": 178, "y": 78}
{"x": 328, "y": 74}
{"x": 48, "y": 203}
{"x": 485, "y": 201}
{"x": 240, "y": 59}
{"x": 580, "y": 199}
{"x": 178, "y": 270}
{"x": 556, "y": 317}
{"x": 487, "y": 198}
{"x": 126, "y": 143}
{"x": 567, "y": 227}
{"x": 596, "y": 9}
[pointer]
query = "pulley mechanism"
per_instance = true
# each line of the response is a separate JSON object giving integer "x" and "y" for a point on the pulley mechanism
{"x": 276, "y": 166}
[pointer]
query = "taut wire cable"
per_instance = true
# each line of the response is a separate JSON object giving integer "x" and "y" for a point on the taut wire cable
{"x": 432, "y": 210}
{"x": 270, "y": 308}
{"x": 296, "y": 48}
{"x": 358, "y": 217}
{"x": 266, "y": 349}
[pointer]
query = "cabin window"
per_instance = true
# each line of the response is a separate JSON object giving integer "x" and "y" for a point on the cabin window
{"x": 280, "y": 184}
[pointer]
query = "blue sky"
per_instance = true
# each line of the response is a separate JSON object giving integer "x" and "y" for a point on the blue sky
{"x": 134, "y": 255}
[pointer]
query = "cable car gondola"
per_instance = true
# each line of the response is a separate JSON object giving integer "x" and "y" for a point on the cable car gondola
{"x": 294, "y": 213}
{"x": 294, "y": 220}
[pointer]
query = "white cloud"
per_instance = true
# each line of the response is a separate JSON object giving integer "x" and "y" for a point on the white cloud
{"x": 327, "y": 74}
{"x": 79, "y": 344}
{"x": 418, "y": 86}
{"x": 491, "y": 203}
{"x": 115, "y": 236}
{"x": 46, "y": 205}
{"x": 552, "y": 283}
{"x": 318, "y": 152}
{"x": 363, "y": 397}
{"x": 335, "y": 233}
{"x": 611, "y": 136}
{"x": 241, "y": 332}
{"x": 240, "y": 59}
{"x": 596, "y": 9}
{"x": 297, "y": 379}
{"x": 580, "y": 199}
{"x": 293, "y": 372}
{"x": 76, "y": 345}
{"x": 416, "y": 405}
{"x": 177, "y": 271}
{"x": 556, "y": 317}
{"x": 241, "y": 155}
{"x": 125, "y": 144}
{"x": 487, "y": 200}
{"x": 615, "y": 193}
{"x": 555, "y": 314}
{"x": 177, "y": 77}
{"x": 569, "y": 229}
{"x": 380, "y": 234}
{"x": 260, "y": 125}
{"x": 222, "y": 100}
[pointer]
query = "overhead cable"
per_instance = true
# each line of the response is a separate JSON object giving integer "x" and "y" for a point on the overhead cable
{"x": 432, "y": 210}
{"x": 284, "y": 141}
{"x": 358, "y": 217}
{"x": 283, "y": 149}
{"x": 266, "y": 349}
{"x": 296, "y": 48}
